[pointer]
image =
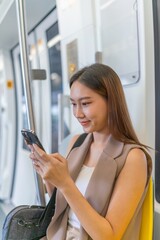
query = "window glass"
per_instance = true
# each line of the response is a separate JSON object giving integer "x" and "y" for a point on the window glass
{"x": 119, "y": 38}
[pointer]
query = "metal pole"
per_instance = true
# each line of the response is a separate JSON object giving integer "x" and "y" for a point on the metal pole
{"x": 27, "y": 86}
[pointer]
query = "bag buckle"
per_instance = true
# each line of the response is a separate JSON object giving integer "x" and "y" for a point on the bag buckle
{"x": 28, "y": 224}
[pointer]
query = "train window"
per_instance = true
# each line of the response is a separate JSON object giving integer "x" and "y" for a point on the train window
{"x": 54, "y": 51}
{"x": 119, "y": 38}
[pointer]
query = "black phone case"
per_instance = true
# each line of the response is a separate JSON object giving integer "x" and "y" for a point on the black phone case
{"x": 31, "y": 137}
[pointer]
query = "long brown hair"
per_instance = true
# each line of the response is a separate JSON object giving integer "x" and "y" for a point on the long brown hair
{"x": 104, "y": 81}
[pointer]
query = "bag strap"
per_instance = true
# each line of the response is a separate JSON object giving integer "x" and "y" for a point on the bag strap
{"x": 79, "y": 140}
{"x": 49, "y": 209}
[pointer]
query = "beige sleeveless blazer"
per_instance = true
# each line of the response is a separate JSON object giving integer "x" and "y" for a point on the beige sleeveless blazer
{"x": 104, "y": 176}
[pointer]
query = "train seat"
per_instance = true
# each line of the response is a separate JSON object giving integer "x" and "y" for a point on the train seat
{"x": 148, "y": 214}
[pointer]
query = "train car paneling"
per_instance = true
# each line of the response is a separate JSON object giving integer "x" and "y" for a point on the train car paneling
{"x": 125, "y": 43}
{"x": 126, "y": 53}
{"x": 78, "y": 43}
{"x": 7, "y": 125}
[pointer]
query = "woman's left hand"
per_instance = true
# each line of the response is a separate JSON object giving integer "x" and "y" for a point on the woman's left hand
{"x": 53, "y": 168}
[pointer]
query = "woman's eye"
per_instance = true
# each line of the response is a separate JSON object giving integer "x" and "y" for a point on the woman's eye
{"x": 85, "y": 103}
{"x": 73, "y": 104}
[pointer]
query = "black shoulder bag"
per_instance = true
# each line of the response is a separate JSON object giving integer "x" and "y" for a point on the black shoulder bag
{"x": 27, "y": 222}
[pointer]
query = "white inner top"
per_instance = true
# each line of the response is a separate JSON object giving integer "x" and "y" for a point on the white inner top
{"x": 81, "y": 183}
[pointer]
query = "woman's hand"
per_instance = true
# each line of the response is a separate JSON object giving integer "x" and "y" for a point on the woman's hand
{"x": 52, "y": 168}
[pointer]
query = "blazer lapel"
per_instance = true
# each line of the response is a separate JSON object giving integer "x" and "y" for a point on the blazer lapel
{"x": 104, "y": 175}
{"x": 75, "y": 161}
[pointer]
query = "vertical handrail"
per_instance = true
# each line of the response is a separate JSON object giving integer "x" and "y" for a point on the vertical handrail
{"x": 27, "y": 86}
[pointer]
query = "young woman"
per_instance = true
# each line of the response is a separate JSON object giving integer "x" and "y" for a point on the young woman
{"x": 102, "y": 184}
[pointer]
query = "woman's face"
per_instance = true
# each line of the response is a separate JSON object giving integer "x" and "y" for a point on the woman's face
{"x": 90, "y": 108}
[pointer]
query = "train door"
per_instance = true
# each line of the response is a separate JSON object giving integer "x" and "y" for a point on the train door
{"x": 44, "y": 53}
{"x": 54, "y": 87}
{"x": 24, "y": 175}
{"x": 44, "y": 33}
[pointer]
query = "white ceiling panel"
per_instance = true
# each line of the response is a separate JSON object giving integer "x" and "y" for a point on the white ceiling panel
{"x": 36, "y": 10}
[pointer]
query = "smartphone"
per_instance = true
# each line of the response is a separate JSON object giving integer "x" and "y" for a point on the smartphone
{"x": 31, "y": 137}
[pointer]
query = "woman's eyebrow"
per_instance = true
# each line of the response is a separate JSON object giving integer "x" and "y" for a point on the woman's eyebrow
{"x": 80, "y": 99}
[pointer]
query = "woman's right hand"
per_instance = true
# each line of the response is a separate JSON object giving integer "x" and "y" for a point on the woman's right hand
{"x": 34, "y": 159}
{"x": 32, "y": 156}
{"x": 49, "y": 186}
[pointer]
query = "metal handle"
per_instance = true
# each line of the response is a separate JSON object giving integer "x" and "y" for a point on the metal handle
{"x": 27, "y": 86}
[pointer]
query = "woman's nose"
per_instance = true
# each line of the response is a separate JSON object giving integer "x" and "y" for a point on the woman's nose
{"x": 79, "y": 112}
